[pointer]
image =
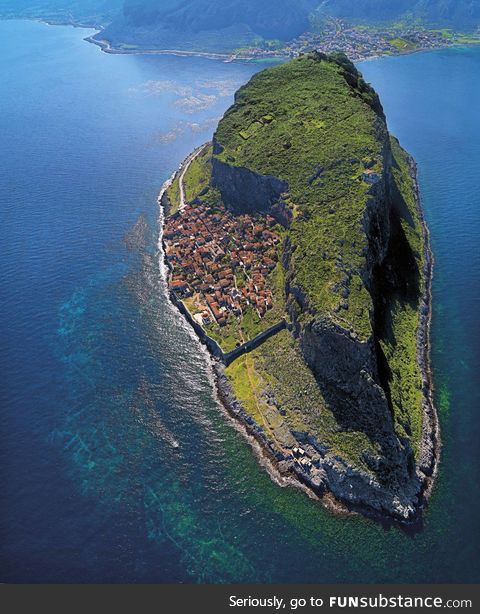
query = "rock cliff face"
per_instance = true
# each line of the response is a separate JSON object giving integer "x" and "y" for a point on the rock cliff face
{"x": 346, "y": 366}
{"x": 234, "y": 182}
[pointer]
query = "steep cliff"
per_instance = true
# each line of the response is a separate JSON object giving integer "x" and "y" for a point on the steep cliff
{"x": 307, "y": 142}
{"x": 265, "y": 191}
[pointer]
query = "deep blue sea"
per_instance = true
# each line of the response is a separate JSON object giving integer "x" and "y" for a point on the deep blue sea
{"x": 101, "y": 379}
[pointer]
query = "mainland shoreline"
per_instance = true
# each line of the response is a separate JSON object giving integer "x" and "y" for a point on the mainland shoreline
{"x": 106, "y": 47}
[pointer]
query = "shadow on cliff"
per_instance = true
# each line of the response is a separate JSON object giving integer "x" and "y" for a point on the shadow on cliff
{"x": 396, "y": 284}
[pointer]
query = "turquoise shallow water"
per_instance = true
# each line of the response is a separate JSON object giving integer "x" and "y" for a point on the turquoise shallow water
{"x": 100, "y": 378}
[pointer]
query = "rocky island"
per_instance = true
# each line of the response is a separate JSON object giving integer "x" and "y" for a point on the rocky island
{"x": 298, "y": 251}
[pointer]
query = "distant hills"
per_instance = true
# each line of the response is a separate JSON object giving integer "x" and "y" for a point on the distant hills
{"x": 225, "y": 25}
{"x": 272, "y": 19}
{"x": 88, "y": 12}
{"x": 221, "y": 25}
{"x": 456, "y": 13}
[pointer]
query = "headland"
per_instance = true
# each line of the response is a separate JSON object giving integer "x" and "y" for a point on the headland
{"x": 298, "y": 251}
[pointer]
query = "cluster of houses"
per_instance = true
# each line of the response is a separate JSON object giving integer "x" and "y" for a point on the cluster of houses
{"x": 357, "y": 43}
{"x": 222, "y": 260}
{"x": 301, "y": 458}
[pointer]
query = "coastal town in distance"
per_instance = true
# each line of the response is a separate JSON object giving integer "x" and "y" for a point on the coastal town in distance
{"x": 361, "y": 42}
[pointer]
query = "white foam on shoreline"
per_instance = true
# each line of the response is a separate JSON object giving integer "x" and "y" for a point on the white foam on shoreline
{"x": 161, "y": 221}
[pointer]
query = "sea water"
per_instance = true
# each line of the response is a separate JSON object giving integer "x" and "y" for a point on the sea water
{"x": 117, "y": 463}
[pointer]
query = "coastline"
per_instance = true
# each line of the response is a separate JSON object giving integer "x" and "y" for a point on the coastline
{"x": 431, "y": 440}
{"x": 271, "y": 460}
{"x": 105, "y": 46}
{"x": 278, "y": 466}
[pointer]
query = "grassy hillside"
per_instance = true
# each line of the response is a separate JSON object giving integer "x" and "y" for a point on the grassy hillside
{"x": 282, "y": 19}
{"x": 280, "y": 125}
{"x": 208, "y": 25}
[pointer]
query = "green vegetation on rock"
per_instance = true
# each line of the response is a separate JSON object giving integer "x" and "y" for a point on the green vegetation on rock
{"x": 403, "y": 44}
{"x": 398, "y": 331}
{"x": 198, "y": 177}
{"x": 173, "y": 193}
{"x": 318, "y": 144}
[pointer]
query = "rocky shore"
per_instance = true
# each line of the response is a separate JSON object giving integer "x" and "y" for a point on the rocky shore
{"x": 431, "y": 443}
